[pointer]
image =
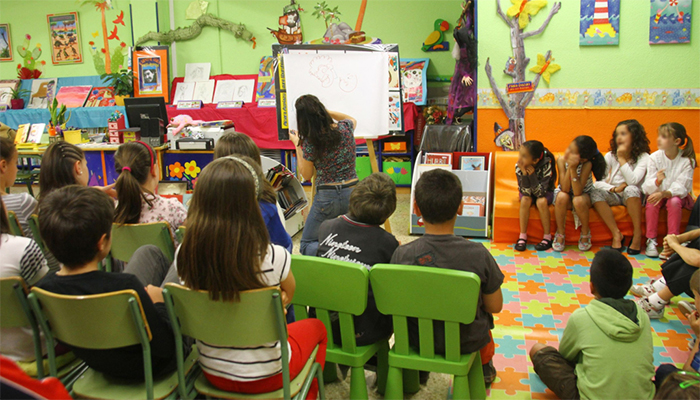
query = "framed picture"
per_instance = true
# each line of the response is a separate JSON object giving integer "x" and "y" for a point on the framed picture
{"x": 64, "y": 35}
{"x": 472, "y": 163}
{"x": 6, "y": 88}
{"x": 151, "y": 66}
{"x": 5, "y": 43}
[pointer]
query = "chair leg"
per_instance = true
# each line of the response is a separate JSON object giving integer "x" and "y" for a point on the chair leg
{"x": 382, "y": 367}
{"x": 460, "y": 388}
{"x": 394, "y": 384}
{"x": 321, "y": 384}
{"x": 330, "y": 372}
{"x": 477, "y": 387}
{"x": 411, "y": 382}
{"x": 358, "y": 384}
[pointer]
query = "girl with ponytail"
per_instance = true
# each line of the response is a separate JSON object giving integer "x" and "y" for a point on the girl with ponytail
{"x": 669, "y": 182}
{"x": 537, "y": 173}
{"x": 580, "y": 163}
{"x": 136, "y": 185}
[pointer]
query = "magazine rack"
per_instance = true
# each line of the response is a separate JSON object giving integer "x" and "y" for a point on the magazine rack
{"x": 474, "y": 183}
{"x": 295, "y": 222}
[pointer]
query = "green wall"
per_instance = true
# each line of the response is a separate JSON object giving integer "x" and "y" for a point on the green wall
{"x": 632, "y": 64}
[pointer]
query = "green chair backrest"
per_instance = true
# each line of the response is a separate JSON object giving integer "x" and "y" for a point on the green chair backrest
{"x": 180, "y": 234}
{"x": 330, "y": 285}
{"x": 15, "y": 228}
{"x": 428, "y": 294}
{"x": 36, "y": 234}
{"x": 127, "y": 238}
{"x": 101, "y": 321}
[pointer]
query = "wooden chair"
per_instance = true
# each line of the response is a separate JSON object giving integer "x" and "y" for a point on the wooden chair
{"x": 104, "y": 321}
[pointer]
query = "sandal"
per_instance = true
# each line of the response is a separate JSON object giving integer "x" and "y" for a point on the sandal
{"x": 545, "y": 244}
{"x": 622, "y": 245}
{"x": 631, "y": 251}
{"x": 584, "y": 242}
{"x": 521, "y": 245}
{"x": 556, "y": 245}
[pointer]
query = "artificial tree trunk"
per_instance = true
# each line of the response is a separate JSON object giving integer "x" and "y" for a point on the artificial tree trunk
{"x": 514, "y": 107}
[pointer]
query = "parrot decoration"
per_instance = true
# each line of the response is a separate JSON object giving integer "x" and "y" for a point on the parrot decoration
{"x": 435, "y": 41}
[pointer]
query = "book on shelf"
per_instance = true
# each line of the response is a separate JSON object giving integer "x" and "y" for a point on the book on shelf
{"x": 438, "y": 158}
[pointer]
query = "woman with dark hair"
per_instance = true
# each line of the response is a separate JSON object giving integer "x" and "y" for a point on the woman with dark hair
{"x": 325, "y": 149}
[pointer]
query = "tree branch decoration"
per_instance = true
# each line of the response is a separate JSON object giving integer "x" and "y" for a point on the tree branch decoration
{"x": 191, "y": 32}
{"x": 517, "y": 18}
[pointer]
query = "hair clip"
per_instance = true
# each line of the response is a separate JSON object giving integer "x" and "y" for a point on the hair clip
{"x": 687, "y": 384}
{"x": 252, "y": 172}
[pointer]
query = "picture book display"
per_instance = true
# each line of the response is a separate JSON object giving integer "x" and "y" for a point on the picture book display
{"x": 438, "y": 158}
{"x": 197, "y": 72}
{"x": 472, "y": 163}
{"x": 473, "y": 205}
{"x": 22, "y": 132}
{"x": 35, "y": 133}
{"x": 101, "y": 97}
{"x": 43, "y": 91}
{"x": 73, "y": 96}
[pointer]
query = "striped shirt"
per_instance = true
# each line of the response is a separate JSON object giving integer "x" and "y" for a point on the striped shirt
{"x": 23, "y": 205}
{"x": 20, "y": 256}
{"x": 250, "y": 363}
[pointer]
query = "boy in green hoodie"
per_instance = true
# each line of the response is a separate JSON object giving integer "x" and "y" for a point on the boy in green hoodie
{"x": 606, "y": 350}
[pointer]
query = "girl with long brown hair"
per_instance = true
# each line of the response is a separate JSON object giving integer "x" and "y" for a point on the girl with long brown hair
{"x": 136, "y": 189}
{"x": 237, "y": 143}
{"x": 225, "y": 251}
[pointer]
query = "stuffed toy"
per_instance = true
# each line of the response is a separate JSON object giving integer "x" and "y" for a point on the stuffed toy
{"x": 180, "y": 121}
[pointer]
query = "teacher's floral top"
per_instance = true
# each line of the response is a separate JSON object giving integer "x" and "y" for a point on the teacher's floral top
{"x": 338, "y": 164}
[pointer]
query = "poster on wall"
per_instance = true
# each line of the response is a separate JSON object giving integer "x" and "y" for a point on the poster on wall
{"x": 64, "y": 32}
{"x": 600, "y": 23}
{"x": 151, "y": 66}
{"x": 5, "y": 43}
{"x": 669, "y": 21}
{"x": 414, "y": 75}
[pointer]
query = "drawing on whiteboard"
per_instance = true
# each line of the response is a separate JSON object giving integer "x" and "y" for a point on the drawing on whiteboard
{"x": 348, "y": 83}
{"x": 321, "y": 67}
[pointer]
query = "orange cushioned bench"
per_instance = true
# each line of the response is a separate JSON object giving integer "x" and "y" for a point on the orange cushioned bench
{"x": 506, "y": 223}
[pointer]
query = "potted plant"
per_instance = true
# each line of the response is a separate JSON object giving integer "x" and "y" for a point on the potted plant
{"x": 16, "y": 100}
{"x": 122, "y": 82}
{"x": 58, "y": 119}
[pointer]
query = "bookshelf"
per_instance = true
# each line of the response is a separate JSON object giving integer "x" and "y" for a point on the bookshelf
{"x": 293, "y": 220}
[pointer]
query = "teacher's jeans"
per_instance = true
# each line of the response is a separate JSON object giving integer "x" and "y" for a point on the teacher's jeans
{"x": 330, "y": 202}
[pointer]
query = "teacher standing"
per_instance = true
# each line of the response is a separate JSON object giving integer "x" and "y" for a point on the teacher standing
{"x": 326, "y": 149}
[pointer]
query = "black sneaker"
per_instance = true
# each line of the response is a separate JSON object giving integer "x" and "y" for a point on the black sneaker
{"x": 489, "y": 373}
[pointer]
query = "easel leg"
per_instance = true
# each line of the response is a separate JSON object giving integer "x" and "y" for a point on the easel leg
{"x": 375, "y": 168}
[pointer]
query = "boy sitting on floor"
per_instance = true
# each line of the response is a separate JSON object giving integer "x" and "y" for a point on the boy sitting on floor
{"x": 606, "y": 350}
{"x": 357, "y": 237}
{"x": 438, "y": 196}
{"x": 76, "y": 225}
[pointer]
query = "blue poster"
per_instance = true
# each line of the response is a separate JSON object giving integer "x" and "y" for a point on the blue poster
{"x": 600, "y": 23}
{"x": 669, "y": 21}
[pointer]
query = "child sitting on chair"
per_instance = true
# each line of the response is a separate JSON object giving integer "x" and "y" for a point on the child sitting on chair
{"x": 439, "y": 200}
{"x": 357, "y": 237}
{"x": 76, "y": 225}
{"x": 606, "y": 349}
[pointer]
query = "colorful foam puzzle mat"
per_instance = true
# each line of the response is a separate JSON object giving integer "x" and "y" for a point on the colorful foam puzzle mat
{"x": 540, "y": 291}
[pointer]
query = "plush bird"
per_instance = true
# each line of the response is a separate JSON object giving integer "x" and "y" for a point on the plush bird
{"x": 545, "y": 67}
{"x": 436, "y": 37}
{"x": 524, "y": 10}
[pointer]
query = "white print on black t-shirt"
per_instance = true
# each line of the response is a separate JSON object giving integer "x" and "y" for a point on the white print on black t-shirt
{"x": 335, "y": 246}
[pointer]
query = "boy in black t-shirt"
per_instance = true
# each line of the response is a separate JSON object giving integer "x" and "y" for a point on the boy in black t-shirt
{"x": 357, "y": 237}
{"x": 76, "y": 225}
{"x": 438, "y": 196}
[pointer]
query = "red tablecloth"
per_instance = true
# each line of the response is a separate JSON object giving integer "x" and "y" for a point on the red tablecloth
{"x": 260, "y": 123}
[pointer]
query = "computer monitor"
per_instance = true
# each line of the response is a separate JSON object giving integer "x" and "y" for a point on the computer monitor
{"x": 144, "y": 107}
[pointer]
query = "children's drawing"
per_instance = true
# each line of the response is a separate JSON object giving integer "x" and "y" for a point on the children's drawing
{"x": 204, "y": 91}
{"x": 393, "y": 71}
{"x": 600, "y": 23}
{"x": 64, "y": 33}
{"x": 394, "y": 111}
{"x": 266, "y": 79}
{"x": 669, "y": 21}
{"x": 197, "y": 72}
{"x": 42, "y": 93}
{"x": 414, "y": 80}
{"x": 184, "y": 91}
{"x": 224, "y": 90}
{"x": 5, "y": 43}
{"x": 149, "y": 75}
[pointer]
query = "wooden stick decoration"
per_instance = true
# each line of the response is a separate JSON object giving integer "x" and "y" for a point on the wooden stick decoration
{"x": 361, "y": 16}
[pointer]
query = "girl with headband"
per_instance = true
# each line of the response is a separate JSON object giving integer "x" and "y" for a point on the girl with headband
{"x": 225, "y": 251}
{"x": 136, "y": 186}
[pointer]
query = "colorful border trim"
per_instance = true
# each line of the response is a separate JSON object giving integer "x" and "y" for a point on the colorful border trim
{"x": 604, "y": 98}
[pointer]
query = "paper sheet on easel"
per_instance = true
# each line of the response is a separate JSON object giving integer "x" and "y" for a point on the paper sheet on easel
{"x": 353, "y": 83}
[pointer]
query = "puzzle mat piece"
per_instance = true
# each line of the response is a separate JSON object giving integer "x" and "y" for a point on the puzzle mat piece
{"x": 541, "y": 297}
{"x": 510, "y": 296}
{"x": 565, "y": 287}
{"x": 660, "y": 358}
{"x": 556, "y": 277}
{"x": 507, "y": 318}
{"x": 673, "y": 339}
{"x": 518, "y": 362}
{"x": 514, "y": 331}
{"x": 580, "y": 270}
{"x": 509, "y": 346}
{"x": 558, "y": 309}
{"x": 559, "y": 268}
{"x": 677, "y": 355}
{"x": 509, "y": 276}
{"x": 503, "y": 259}
{"x": 584, "y": 298}
{"x": 668, "y": 325}
{"x": 561, "y": 320}
{"x": 523, "y": 277}
{"x": 512, "y": 307}
{"x": 580, "y": 279}
{"x": 562, "y": 298}
{"x": 531, "y": 287}
{"x": 531, "y": 320}
{"x": 511, "y": 383}
{"x": 529, "y": 270}
{"x": 536, "y": 308}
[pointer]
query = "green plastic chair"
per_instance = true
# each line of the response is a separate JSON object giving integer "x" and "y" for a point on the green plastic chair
{"x": 33, "y": 222}
{"x": 429, "y": 294}
{"x": 348, "y": 296}
{"x": 15, "y": 312}
{"x": 180, "y": 234}
{"x": 127, "y": 238}
{"x": 28, "y": 175}
{"x": 15, "y": 228}
{"x": 258, "y": 317}
{"x": 103, "y": 321}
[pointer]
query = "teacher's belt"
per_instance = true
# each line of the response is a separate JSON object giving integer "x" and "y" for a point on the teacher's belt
{"x": 337, "y": 187}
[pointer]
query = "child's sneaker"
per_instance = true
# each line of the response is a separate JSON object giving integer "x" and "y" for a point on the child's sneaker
{"x": 489, "y": 373}
{"x": 644, "y": 290}
{"x": 651, "y": 250}
{"x": 652, "y": 312}
{"x": 686, "y": 308}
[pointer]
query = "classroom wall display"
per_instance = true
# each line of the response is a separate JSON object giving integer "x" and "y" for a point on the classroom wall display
{"x": 669, "y": 21}
{"x": 600, "y": 23}
{"x": 73, "y": 96}
{"x": 6, "y": 88}
{"x": 5, "y": 43}
{"x": 42, "y": 93}
{"x": 652, "y": 98}
{"x": 266, "y": 79}
{"x": 151, "y": 66}
{"x": 414, "y": 77}
{"x": 64, "y": 34}
{"x": 352, "y": 79}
